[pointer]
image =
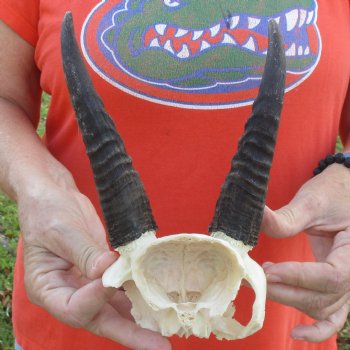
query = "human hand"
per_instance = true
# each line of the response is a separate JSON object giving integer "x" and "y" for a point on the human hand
{"x": 320, "y": 289}
{"x": 65, "y": 254}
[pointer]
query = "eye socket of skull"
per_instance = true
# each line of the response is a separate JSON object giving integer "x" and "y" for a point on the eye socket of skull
{"x": 189, "y": 272}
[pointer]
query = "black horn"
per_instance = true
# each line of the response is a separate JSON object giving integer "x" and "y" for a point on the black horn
{"x": 240, "y": 206}
{"x": 125, "y": 206}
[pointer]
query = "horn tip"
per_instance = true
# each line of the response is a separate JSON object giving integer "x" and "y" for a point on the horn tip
{"x": 67, "y": 23}
{"x": 67, "y": 26}
{"x": 68, "y": 17}
{"x": 272, "y": 23}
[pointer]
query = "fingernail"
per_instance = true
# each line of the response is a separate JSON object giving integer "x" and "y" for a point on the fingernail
{"x": 104, "y": 259}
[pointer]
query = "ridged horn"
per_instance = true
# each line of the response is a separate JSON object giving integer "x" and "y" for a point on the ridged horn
{"x": 124, "y": 203}
{"x": 240, "y": 206}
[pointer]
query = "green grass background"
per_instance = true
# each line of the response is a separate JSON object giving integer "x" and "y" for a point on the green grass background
{"x": 8, "y": 241}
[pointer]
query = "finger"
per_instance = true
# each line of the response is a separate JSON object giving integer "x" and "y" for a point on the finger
{"x": 46, "y": 272}
{"x": 76, "y": 307}
{"x": 321, "y": 277}
{"x": 111, "y": 325}
{"x": 62, "y": 291}
{"x": 87, "y": 301}
{"x": 77, "y": 247}
{"x": 101, "y": 263}
{"x": 291, "y": 219}
{"x": 321, "y": 244}
{"x": 122, "y": 304}
{"x": 339, "y": 255}
{"x": 322, "y": 330}
{"x": 317, "y": 305}
{"x": 89, "y": 258}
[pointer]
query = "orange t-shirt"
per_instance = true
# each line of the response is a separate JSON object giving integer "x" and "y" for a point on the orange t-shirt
{"x": 179, "y": 77}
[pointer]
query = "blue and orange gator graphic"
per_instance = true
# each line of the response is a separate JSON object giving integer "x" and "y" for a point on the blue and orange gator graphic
{"x": 197, "y": 53}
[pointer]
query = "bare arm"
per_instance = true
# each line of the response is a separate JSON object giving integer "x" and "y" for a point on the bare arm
{"x": 22, "y": 153}
{"x": 69, "y": 240}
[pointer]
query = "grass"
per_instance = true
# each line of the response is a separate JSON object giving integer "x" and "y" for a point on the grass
{"x": 344, "y": 336}
{"x": 9, "y": 229}
{"x": 8, "y": 242}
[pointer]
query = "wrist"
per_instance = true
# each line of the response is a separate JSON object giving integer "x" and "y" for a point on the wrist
{"x": 36, "y": 176}
{"x": 338, "y": 158}
{"x": 25, "y": 161}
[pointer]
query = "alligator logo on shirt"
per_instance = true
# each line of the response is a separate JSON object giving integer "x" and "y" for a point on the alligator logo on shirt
{"x": 197, "y": 53}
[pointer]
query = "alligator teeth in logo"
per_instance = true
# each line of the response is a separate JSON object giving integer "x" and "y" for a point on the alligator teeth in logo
{"x": 197, "y": 54}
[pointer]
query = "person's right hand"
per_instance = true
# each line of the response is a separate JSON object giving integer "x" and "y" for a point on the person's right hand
{"x": 65, "y": 254}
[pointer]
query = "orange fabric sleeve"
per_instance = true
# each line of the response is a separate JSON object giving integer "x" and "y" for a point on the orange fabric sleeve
{"x": 22, "y": 17}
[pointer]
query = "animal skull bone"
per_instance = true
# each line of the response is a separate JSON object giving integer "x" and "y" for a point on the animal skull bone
{"x": 182, "y": 284}
{"x": 185, "y": 284}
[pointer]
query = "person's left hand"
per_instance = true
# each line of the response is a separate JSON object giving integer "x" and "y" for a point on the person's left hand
{"x": 320, "y": 289}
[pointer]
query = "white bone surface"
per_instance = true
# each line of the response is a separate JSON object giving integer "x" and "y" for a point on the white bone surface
{"x": 185, "y": 284}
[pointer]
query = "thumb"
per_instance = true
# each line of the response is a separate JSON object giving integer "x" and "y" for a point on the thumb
{"x": 289, "y": 220}
{"x": 92, "y": 260}
{"x": 81, "y": 250}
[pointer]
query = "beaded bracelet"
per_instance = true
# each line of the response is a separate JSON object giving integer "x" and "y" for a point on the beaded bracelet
{"x": 340, "y": 158}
